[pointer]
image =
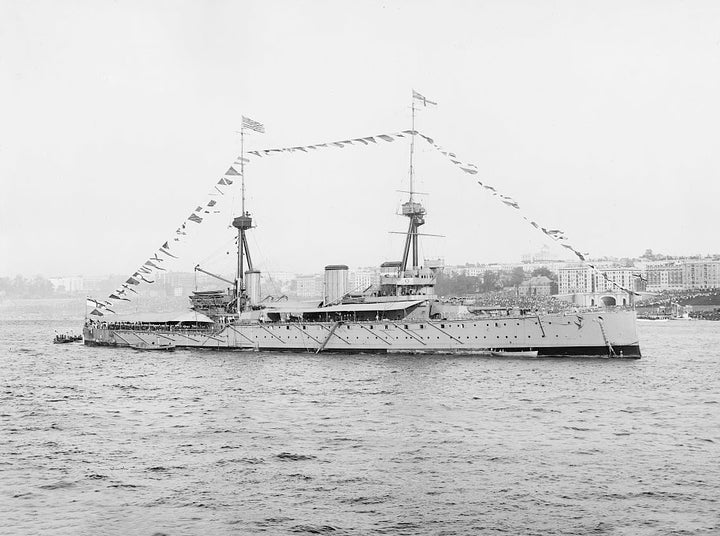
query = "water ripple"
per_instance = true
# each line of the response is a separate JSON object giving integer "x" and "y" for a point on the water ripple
{"x": 110, "y": 441}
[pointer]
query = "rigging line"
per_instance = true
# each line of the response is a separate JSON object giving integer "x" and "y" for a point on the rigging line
{"x": 217, "y": 251}
{"x": 266, "y": 264}
{"x": 232, "y": 202}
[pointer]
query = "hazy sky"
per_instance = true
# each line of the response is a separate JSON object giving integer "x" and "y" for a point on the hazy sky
{"x": 116, "y": 118}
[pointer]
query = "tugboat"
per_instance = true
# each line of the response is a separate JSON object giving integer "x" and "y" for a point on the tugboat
{"x": 402, "y": 313}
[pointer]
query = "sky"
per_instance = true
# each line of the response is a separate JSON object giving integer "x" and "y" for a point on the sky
{"x": 117, "y": 118}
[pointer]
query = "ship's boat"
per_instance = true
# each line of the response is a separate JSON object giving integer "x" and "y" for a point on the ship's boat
{"x": 153, "y": 345}
{"x": 400, "y": 313}
{"x": 510, "y": 353}
{"x": 64, "y": 338}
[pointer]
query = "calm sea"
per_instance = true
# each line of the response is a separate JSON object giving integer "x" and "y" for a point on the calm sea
{"x": 108, "y": 441}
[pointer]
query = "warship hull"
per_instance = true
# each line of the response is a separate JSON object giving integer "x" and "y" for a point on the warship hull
{"x": 591, "y": 334}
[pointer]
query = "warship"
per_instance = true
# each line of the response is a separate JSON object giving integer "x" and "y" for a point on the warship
{"x": 401, "y": 313}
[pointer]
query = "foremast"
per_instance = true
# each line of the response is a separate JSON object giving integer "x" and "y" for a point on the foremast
{"x": 412, "y": 209}
{"x": 411, "y": 278}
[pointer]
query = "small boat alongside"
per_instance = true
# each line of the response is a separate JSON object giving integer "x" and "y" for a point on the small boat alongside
{"x": 514, "y": 353}
{"x": 161, "y": 346}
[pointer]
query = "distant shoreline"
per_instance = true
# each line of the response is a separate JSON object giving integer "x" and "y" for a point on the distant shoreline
{"x": 54, "y": 300}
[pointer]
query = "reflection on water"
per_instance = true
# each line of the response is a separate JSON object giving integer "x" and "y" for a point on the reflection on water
{"x": 122, "y": 442}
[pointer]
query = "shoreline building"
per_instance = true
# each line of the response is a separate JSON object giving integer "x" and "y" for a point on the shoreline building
{"x": 701, "y": 274}
{"x": 583, "y": 286}
{"x": 539, "y": 285}
{"x": 664, "y": 275}
{"x": 685, "y": 274}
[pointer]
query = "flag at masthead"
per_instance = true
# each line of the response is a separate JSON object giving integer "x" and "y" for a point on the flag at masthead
{"x": 253, "y": 125}
{"x": 424, "y": 100}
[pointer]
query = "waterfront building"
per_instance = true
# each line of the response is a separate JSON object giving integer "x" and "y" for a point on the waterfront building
{"x": 665, "y": 275}
{"x": 575, "y": 279}
{"x": 684, "y": 274}
{"x": 536, "y": 286}
{"x": 616, "y": 276}
{"x": 583, "y": 286}
{"x": 701, "y": 274}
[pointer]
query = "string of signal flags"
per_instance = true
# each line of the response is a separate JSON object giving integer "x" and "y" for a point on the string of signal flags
{"x": 210, "y": 205}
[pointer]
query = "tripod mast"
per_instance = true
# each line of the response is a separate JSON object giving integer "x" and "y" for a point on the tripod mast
{"x": 413, "y": 210}
{"x": 242, "y": 223}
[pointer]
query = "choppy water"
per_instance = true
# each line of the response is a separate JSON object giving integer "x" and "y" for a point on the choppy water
{"x": 107, "y": 441}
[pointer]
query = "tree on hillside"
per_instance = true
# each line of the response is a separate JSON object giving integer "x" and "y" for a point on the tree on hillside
{"x": 457, "y": 285}
{"x": 489, "y": 281}
{"x": 19, "y": 287}
{"x": 517, "y": 276}
{"x": 552, "y": 276}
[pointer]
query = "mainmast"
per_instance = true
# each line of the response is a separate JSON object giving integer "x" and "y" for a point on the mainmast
{"x": 243, "y": 223}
